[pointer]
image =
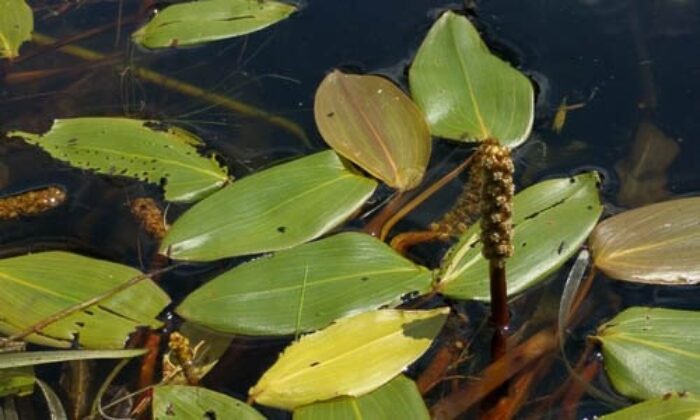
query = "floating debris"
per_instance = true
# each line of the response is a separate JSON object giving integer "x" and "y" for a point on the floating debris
{"x": 146, "y": 210}
{"x": 31, "y": 203}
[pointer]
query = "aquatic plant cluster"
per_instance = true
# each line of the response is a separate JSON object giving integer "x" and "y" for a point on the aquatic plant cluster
{"x": 372, "y": 333}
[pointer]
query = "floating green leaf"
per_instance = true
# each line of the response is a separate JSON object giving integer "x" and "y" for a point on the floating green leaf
{"x": 370, "y": 121}
{"x": 658, "y": 243}
{"x": 38, "y": 286}
{"x": 181, "y": 402}
{"x": 17, "y": 381}
{"x": 649, "y": 352}
{"x": 33, "y": 358}
{"x": 274, "y": 209}
{"x": 669, "y": 407}
{"x": 398, "y": 399}
{"x": 352, "y": 357}
{"x": 16, "y": 25}
{"x": 550, "y": 221}
{"x": 466, "y": 92}
{"x": 201, "y": 21}
{"x": 146, "y": 150}
{"x": 306, "y": 287}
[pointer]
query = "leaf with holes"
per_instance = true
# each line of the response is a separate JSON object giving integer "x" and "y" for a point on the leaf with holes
{"x": 274, "y": 209}
{"x": 682, "y": 406}
{"x": 649, "y": 352}
{"x": 550, "y": 222}
{"x": 398, "y": 399}
{"x": 352, "y": 357}
{"x": 16, "y": 25}
{"x": 201, "y": 21}
{"x": 182, "y": 402}
{"x": 146, "y": 150}
{"x": 306, "y": 287}
{"x": 38, "y": 286}
{"x": 658, "y": 243}
{"x": 466, "y": 92}
{"x": 371, "y": 122}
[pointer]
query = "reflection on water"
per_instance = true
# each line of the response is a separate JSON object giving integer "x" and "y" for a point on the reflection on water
{"x": 640, "y": 129}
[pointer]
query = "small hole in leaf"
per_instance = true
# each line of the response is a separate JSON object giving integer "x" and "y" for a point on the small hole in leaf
{"x": 211, "y": 414}
{"x": 80, "y": 324}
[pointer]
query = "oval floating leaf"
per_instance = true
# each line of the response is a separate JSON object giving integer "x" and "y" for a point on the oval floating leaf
{"x": 274, "y": 209}
{"x": 649, "y": 352}
{"x": 16, "y": 26}
{"x": 182, "y": 402}
{"x": 201, "y": 21}
{"x": 371, "y": 122}
{"x": 466, "y": 92}
{"x": 398, "y": 399}
{"x": 306, "y": 287}
{"x": 352, "y": 357}
{"x": 669, "y": 407}
{"x": 38, "y": 286}
{"x": 658, "y": 243}
{"x": 550, "y": 221}
{"x": 146, "y": 150}
{"x": 33, "y": 358}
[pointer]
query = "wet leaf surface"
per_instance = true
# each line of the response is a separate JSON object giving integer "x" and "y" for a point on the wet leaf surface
{"x": 16, "y": 26}
{"x": 306, "y": 287}
{"x": 38, "y": 286}
{"x": 182, "y": 402}
{"x": 274, "y": 209}
{"x": 658, "y": 243}
{"x": 551, "y": 220}
{"x": 146, "y": 150}
{"x": 466, "y": 92}
{"x": 352, "y": 357}
{"x": 201, "y": 21}
{"x": 370, "y": 121}
{"x": 649, "y": 352}
{"x": 397, "y": 399}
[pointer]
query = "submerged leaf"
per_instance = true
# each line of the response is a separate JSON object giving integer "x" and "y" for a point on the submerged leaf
{"x": 201, "y": 21}
{"x": 682, "y": 406}
{"x": 271, "y": 210}
{"x": 38, "y": 286}
{"x": 306, "y": 287}
{"x": 398, "y": 399}
{"x": 16, "y": 26}
{"x": 550, "y": 222}
{"x": 466, "y": 92}
{"x": 370, "y": 121}
{"x": 658, "y": 243}
{"x": 17, "y": 381}
{"x": 352, "y": 357}
{"x": 145, "y": 150}
{"x": 181, "y": 402}
{"x": 649, "y": 352}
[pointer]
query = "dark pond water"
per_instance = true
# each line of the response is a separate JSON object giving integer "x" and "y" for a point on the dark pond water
{"x": 629, "y": 61}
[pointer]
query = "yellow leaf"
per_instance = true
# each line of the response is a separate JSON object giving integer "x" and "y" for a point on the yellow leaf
{"x": 352, "y": 357}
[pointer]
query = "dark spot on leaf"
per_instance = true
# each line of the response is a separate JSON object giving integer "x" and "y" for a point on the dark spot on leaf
{"x": 364, "y": 278}
{"x": 561, "y": 247}
{"x": 282, "y": 229}
{"x": 589, "y": 207}
{"x": 314, "y": 364}
{"x": 162, "y": 182}
{"x": 524, "y": 244}
{"x": 80, "y": 324}
{"x": 169, "y": 411}
{"x": 88, "y": 312}
{"x": 156, "y": 126}
{"x": 210, "y": 414}
{"x": 72, "y": 142}
{"x": 330, "y": 114}
{"x": 572, "y": 180}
